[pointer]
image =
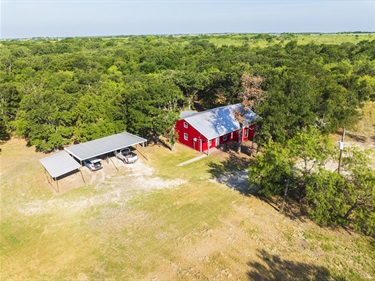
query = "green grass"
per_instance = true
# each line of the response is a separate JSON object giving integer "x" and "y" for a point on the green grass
{"x": 198, "y": 230}
{"x": 260, "y": 40}
{"x": 343, "y": 252}
{"x": 251, "y": 39}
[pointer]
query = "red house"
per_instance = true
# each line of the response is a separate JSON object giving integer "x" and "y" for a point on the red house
{"x": 211, "y": 128}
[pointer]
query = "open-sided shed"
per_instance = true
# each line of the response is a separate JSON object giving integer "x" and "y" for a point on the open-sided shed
{"x": 59, "y": 164}
{"x": 65, "y": 162}
{"x": 103, "y": 146}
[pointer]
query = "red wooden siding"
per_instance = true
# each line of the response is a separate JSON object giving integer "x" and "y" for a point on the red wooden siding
{"x": 250, "y": 131}
{"x": 192, "y": 134}
{"x": 201, "y": 142}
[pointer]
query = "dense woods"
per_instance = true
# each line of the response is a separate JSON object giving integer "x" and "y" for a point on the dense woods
{"x": 63, "y": 91}
{"x": 55, "y": 92}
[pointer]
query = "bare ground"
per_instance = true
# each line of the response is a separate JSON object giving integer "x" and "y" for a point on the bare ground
{"x": 117, "y": 186}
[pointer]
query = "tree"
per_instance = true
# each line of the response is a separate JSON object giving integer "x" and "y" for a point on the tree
{"x": 325, "y": 191}
{"x": 312, "y": 147}
{"x": 272, "y": 172}
{"x": 151, "y": 106}
{"x": 361, "y": 196}
{"x": 345, "y": 199}
{"x": 329, "y": 198}
{"x": 4, "y": 134}
{"x": 190, "y": 84}
{"x": 251, "y": 95}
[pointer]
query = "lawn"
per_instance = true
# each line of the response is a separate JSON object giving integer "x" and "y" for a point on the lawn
{"x": 157, "y": 221}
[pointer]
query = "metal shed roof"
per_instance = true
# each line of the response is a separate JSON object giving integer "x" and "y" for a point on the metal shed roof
{"x": 59, "y": 164}
{"x": 218, "y": 121}
{"x": 90, "y": 149}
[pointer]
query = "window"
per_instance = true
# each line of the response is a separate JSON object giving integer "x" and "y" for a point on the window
{"x": 231, "y": 135}
{"x": 185, "y": 125}
{"x": 225, "y": 138}
{"x": 186, "y": 137}
{"x": 246, "y": 133}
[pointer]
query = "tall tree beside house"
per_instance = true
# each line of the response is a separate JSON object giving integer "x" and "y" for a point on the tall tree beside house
{"x": 273, "y": 171}
{"x": 251, "y": 95}
{"x": 191, "y": 83}
{"x": 151, "y": 107}
{"x": 169, "y": 126}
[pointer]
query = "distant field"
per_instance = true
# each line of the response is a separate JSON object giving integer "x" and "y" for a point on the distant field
{"x": 270, "y": 39}
{"x": 156, "y": 221}
{"x": 265, "y": 39}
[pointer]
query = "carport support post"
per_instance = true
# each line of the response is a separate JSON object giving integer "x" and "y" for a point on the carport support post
{"x": 113, "y": 163}
{"x": 57, "y": 183}
{"x": 82, "y": 176}
{"x": 45, "y": 172}
{"x": 145, "y": 155}
{"x": 146, "y": 150}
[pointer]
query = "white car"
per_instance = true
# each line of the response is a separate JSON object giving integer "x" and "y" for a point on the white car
{"x": 127, "y": 156}
{"x": 94, "y": 164}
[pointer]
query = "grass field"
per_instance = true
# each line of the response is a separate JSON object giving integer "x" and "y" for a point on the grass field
{"x": 255, "y": 40}
{"x": 264, "y": 40}
{"x": 156, "y": 221}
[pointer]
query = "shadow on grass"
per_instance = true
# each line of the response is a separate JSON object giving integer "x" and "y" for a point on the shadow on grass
{"x": 274, "y": 267}
{"x": 160, "y": 141}
{"x": 357, "y": 138}
{"x": 232, "y": 172}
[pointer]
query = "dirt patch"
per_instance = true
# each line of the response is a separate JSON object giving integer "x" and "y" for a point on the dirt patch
{"x": 109, "y": 185}
{"x": 237, "y": 180}
{"x": 233, "y": 170}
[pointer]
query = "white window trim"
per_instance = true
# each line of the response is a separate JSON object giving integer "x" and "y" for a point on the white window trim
{"x": 186, "y": 136}
{"x": 185, "y": 125}
{"x": 209, "y": 143}
{"x": 231, "y": 135}
{"x": 225, "y": 138}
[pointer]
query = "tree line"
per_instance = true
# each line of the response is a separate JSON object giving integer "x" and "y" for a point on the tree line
{"x": 55, "y": 92}
{"x": 63, "y": 91}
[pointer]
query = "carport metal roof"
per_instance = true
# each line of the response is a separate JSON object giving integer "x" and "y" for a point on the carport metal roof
{"x": 91, "y": 149}
{"x": 59, "y": 164}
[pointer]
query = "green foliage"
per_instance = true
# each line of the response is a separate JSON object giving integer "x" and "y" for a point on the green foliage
{"x": 329, "y": 198}
{"x": 4, "y": 134}
{"x": 96, "y": 86}
{"x": 312, "y": 147}
{"x": 273, "y": 161}
{"x": 327, "y": 194}
{"x": 358, "y": 173}
{"x": 346, "y": 198}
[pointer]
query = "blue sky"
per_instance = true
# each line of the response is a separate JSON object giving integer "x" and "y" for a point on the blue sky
{"x": 70, "y": 18}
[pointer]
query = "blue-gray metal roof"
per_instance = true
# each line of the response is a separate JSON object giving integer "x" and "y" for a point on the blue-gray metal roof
{"x": 187, "y": 113}
{"x": 59, "y": 164}
{"x": 218, "y": 121}
{"x": 102, "y": 146}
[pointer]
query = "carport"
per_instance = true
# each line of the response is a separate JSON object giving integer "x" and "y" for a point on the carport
{"x": 60, "y": 164}
{"x": 104, "y": 146}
